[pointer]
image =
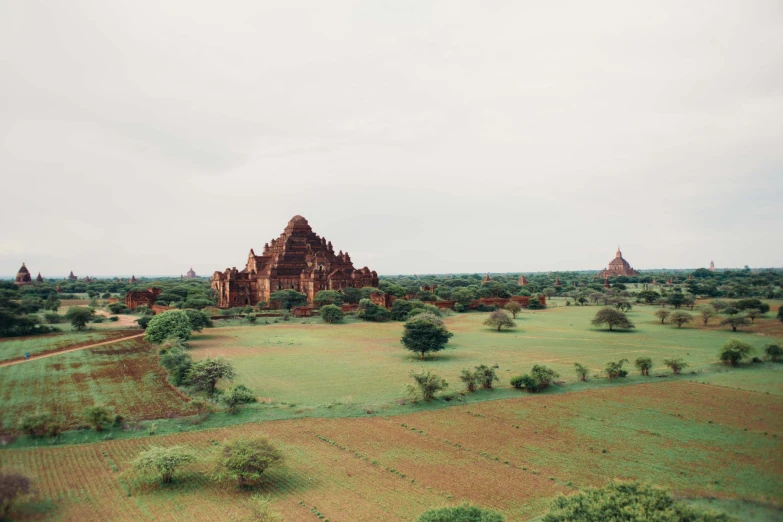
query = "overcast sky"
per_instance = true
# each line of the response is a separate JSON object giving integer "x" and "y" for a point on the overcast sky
{"x": 145, "y": 137}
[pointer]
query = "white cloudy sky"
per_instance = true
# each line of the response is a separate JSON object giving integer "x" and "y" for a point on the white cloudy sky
{"x": 145, "y": 137}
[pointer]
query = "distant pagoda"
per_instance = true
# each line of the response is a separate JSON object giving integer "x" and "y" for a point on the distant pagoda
{"x": 618, "y": 267}
{"x": 23, "y": 276}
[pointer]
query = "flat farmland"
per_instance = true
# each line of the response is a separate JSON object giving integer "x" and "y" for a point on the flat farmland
{"x": 124, "y": 376}
{"x": 512, "y": 455}
{"x": 313, "y": 364}
{"x": 15, "y": 347}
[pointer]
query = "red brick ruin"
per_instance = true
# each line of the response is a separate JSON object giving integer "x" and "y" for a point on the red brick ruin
{"x": 137, "y": 298}
{"x": 298, "y": 260}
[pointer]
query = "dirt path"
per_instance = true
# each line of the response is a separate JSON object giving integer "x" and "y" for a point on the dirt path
{"x": 52, "y": 354}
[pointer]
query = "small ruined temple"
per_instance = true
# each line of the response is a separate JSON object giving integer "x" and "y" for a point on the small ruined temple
{"x": 191, "y": 274}
{"x": 23, "y": 277}
{"x": 618, "y": 267}
{"x": 557, "y": 281}
{"x": 298, "y": 260}
{"x": 72, "y": 277}
{"x": 486, "y": 279}
{"x": 132, "y": 279}
{"x": 523, "y": 281}
{"x": 712, "y": 266}
{"x": 39, "y": 279}
{"x": 137, "y": 298}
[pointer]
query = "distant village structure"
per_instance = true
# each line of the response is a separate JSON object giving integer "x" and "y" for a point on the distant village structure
{"x": 617, "y": 267}
{"x": 298, "y": 260}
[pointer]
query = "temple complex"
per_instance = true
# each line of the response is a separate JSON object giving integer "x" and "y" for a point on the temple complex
{"x": 23, "y": 277}
{"x": 72, "y": 277}
{"x": 191, "y": 274}
{"x": 297, "y": 260}
{"x": 618, "y": 267}
{"x": 137, "y": 298}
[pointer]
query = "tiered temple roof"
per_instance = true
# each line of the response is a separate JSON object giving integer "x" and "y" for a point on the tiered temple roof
{"x": 23, "y": 276}
{"x": 618, "y": 267}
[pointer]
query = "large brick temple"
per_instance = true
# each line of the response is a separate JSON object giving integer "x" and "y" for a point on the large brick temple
{"x": 618, "y": 267}
{"x": 299, "y": 260}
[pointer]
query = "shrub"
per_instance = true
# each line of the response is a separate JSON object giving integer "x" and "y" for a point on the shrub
{"x": 53, "y": 318}
{"x": 459, "y": 307}
{"x": 96, "y": 416}
{"x": 426, "y": 385}
{"x": 163, "y": 461}
{"x": 177, "y": 362}
{"x": 144, "y": 321}
{"x": 246, "y": 458}
{"x": 237, "y": 396}
{"x": 535, "y": 304}
{"x": 540, "y": 377}
{"x": 331, "y": 314}
{"x": 514, "y": 308}
{"x": 581, "y": 371}
{"x": 524, "y": 382}
{"x": 499, "y": 319}
{"x": 464, "y": 513}
{"x": 34, "y": 425}
{"x": 481, "y": 307}
{"x": 172, "y": 324}
{"x": 470, "y": 379}
{"x": 629, "y": 502}
{"x": 644, "y": 364}
{"x": 117, "y": 308}
{"x": 676, "y": 364}
{"x": 733, "y": 352}
{"x": 369, "y": 311}
{"x": 747, "y": 304}
{"x": 251, "y": 318}
{"x": 98, "y": 319}
{"x": 615, "y": 369}
{"x": 662, "y": 314}
{"x": 486, "y": 375}
{"x": 114, "y": 318}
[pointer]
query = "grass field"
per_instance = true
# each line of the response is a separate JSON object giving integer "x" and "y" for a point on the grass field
{"x": 15, "y": 347}
{"x": 124, "y": 376}
{"x": 700, "y": 440}
{"x": 311, "y": 363}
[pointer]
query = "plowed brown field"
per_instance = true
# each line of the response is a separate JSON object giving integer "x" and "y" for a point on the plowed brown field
{"x": 512, "y": 455}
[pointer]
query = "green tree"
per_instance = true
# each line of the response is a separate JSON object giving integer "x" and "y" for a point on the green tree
{"x": 425, "y": 333}
{"x": 464, "y": 513}
{"x": 748, "y": 304}
{"x": 735, "y": 322}
{"x": 540, "y": 377}
{"x": 662, "y": 315}
{"x": 163, "y": 462}
{"x": 205, "y": 374}
{"x": 198, "y": 319}
{"x": 706, "y": 312}
{"x": 96, "y": 416}
{"x": 780, "y": 314}
{"x": 773, "y": 352}
{"x": 117, "y": 308}
{"x": 328, "y": 297}
{"x": 612, "y": 318}
{"x": 733, "y": 352}
{"x": 629, "y": 502}
{"x": 676, "y": 364}
{"x": 581, "y": 371}
{"x": 615, "y": 369}
{"x": 351, "y": 295}
{"x": 287, "y": 299}
{"x": 752, "y": 314}
{"x": 237, "y": 396}
{"x": 52, "y": 302}
{"x": 513, "y": 307}
{"x": 172, "y": 324}
{"x": 246, "y": 458}
{"x": 370, "y": 311}
{"x": 79, "y": 316}
{"x": 680, "y": 318}
{"x": 623, "y": 305}
{"x": 499, "y": 319}
{"x": 644, "y": 364}
{"x": 647, "y": 296}
{"x": 331, "y": 314}
{"x": 426, "y": 385}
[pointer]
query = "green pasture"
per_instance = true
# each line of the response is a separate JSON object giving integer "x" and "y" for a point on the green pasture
{"x": 309, "y": 363}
